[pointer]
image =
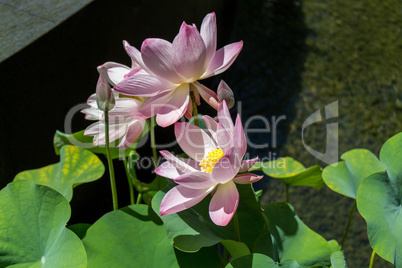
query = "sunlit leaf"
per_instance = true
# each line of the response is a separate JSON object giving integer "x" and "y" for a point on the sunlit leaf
{"x": 345, "y": 177}
{"x": 76, "y": 166}
{"x": 291, "y": 172}
{"x": 130, "y": 237}
{"x": 32, "y": 228}
{"x": 379, "y": 201}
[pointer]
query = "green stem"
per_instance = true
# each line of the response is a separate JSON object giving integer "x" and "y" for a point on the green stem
{"x": 195, "y": 109}
{"x": 110, "y": 163}
{"x": 153, "y": 145}
{"x": 287, "y": 193}
{"x": 153, "y": 142}
{"x": 266, "y": 221}
{"x": 130, "y": 182}
{"x": 139, "y": 197}
{"x": 372, "y": 259}
{"x": 348, "y": 225}
{"x": 236, "y": 225}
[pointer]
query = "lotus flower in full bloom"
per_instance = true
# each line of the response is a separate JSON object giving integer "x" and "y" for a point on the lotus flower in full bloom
{"x": 121, "y": 118}
{"x": 216, "y": 161}
{"x": 170, "y": 71}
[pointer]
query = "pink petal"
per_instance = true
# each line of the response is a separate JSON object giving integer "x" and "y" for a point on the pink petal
{"x": 223, "y": 59}
{"x": 143, "y": 85}
{"x": 195, "y": 180}
{"x": 125, "y": 107}
{"x": 246, "y": 178}
{"x": 208, "y": 33}
{"x": 211, "y": 125}
{"x": 180, "y": 198}
{"x": 135, "y": 70}
{"x": 92, "y": 101}
{"x": 92, "y": 113}
{"x": 169, "y": 170}
{"x": 113, "y": 72}
{"x": 227, "y": 167}
{"x": 208, "y": 95}
{"x": 94, "y": 129}
{"x": 133, "y": 132}
{"x": 239, "y": 138}
{"x": 225, "y": 118}
{"x": 157, "y": 55}
{"x": 189, "y": 53}
{"x": 98, "y": 131}
{"x": 135, "y": 55}
{"x": 175, "y": 107}
{"x": 224, "y": 138}
{"x": 247, "y": 164}
{"x": 193, "y": 140}
{"x": 153, "y": 105}
{"x": 224, "y": 203}
{"x": 181, "y": 164}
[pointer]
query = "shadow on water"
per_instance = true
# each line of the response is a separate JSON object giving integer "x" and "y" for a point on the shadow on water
{"x": 266, "y": 78}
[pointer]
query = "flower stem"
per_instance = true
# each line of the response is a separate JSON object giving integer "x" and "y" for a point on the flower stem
{"x": 287, "y": 193}
{"x": 348, "y": 225}
{"x": 153, "y": 145}
{"x": 110, "y": 163}
{"x": 236, "y": 225}
{"x": 372, "y": 259}
{"x": 130, "y": 182}
{"x": 265, "y": 220}
{"x": 139, "y": 197}
{"x": 195, "y": 109}
{"x": 153, "y": 142}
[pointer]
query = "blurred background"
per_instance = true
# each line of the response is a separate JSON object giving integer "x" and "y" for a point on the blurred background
{"x": 298, "y": 57}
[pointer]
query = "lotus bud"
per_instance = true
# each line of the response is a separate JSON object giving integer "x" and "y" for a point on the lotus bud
{"x": 226, "y": 94}
{"x": 104, "y": 95}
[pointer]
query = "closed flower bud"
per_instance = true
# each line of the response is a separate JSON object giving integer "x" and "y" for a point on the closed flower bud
{"x": 104, "y": 95}
{"x": 226, "y": 94}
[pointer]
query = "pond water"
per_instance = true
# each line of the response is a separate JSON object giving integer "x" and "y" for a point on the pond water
{"x": 298, "y": 57}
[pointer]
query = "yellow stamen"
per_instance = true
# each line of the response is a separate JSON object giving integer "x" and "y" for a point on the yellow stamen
{"x": 208, "y": 162}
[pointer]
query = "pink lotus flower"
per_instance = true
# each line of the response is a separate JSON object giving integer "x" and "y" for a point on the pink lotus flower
{"x": 172, "y": 71}
{"x": 121, "y": 121}
{"x": 115, "y": 73}
{"x": 216, "y": 159}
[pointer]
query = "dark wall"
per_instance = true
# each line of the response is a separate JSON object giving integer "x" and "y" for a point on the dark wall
{"x": 42, "y": 82}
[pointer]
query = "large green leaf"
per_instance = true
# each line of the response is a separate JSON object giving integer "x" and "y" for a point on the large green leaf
{"x": 345, "y": 177}
{"x": 291, "y": 172}
{"x": 192, "y": 229}
{"x": 76, "y": 166}
{"x": 135, "y": 237}
{"x": 32, "y": 228}
{"x": 130, "y": 237}
{"x": 291, "y": 239}
{"x": 259, "y": 260}
{"x": 379, "y": 201}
